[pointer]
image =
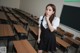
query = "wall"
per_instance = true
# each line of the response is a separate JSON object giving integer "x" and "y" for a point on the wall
{"x": 37, "y": 7}
{"x": 10, "y": 3}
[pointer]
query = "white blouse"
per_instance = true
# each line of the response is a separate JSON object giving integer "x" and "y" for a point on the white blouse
{"x": 55, "y": 22}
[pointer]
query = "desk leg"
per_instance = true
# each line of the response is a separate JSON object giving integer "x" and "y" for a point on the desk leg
{"x": 7, "y": 45}
{"x": 13, "y": 49}
{"x": 76, "y": 50}
{"x": 66, "y": 50}
{"x": 25, "y": 25}
{"x": 28, "y": 32}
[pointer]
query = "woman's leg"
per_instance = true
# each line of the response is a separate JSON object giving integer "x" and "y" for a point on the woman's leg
{"x": 40, "y": 51}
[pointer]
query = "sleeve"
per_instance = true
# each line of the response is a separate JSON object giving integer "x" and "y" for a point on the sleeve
{"x": 40, "y": 20}
{"x": 56, "y": 23}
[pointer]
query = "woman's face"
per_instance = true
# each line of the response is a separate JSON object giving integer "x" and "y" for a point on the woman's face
{"x": 49, "y": 11}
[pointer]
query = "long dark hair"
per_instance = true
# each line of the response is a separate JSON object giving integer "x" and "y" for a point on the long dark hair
{"x": 53, "y": 15}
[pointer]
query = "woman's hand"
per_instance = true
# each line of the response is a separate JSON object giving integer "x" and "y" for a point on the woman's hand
{"x": 47, "y": 17}
{"x": 38, "y": 40}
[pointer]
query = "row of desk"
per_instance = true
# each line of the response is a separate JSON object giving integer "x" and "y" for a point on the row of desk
{"x": 10, "y": 31}
{"x": 6, "y": 9}
{"x": 28, "y": 16}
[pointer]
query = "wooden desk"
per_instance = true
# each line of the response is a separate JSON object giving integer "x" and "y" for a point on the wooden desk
{"x": 3, "y": 16}
{"x": 73, "y": 40}
{"x": 62, "y": 42}
{"x": 75, "y": 43}
{"x": 20, "y": 29}
{"x": 6, "y": 30}
{"x": 77, "y": 38}
{"x": 24, "y": 22}
{"x": 32, "y": 19}
{"x": 6, "y": 33}
{"x": 60, "y": 32}
{"x": 21, "y": 32}
{"x": 6, "y": 10}
{"x": 34, "y": 30}
{"x": 23, "y": 46}
{"x": 12, "y": 18}
{"x": 69, "y": 34}
{"x": 10, "y": 10}
{"x": 9, "y": 14}
{"x": 17, "y": 15}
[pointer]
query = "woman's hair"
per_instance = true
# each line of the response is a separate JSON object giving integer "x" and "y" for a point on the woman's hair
{"x": 53, "y": 15}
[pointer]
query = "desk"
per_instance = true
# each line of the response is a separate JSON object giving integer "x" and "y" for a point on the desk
{"x": 24, "y": 22}
{"x": 16, "y": 15}
{"x": 6, "y": 33}
{"x": 29, "y": 16}
{"x": 10, "y": 10}
{"x": 6, "y": 10}
{"x": 60, "y": 32}
{"x": 73, "y": 40}
{"x": 6, "y": 30}
{"x": 34, "y": 31}
{"x": 9, "y": 14}
{"x": 69, "y": 34}
{"x": 3, "y": 16}
{"x": 77, "y": 38}
{"x": 62, "y": 42}
{"x": 23, "y": 46}
{"x": 12, "y": 18}
{"x": 76, "y": 43}
{"x": 32, "y": 19}
{"x": 20, "y": 30}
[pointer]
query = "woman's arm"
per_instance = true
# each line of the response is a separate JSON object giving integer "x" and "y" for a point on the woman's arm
{"x": 39, "y": 30}
{"x": 39, "y": 33}
{"x": 53, "y": 26}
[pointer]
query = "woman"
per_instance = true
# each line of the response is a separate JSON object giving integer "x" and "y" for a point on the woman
{"x": 48, "y": 23}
